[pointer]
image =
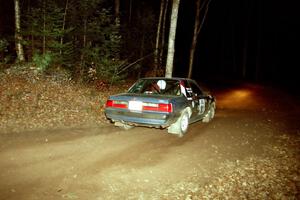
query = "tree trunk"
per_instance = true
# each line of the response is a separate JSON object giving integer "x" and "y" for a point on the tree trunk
{"x": 32, "y": 44}
{"x": 117, "y": 12}
{"x": 130, "y": 10}
{"x": 63, "y": 27}
{"x": 44, "y": 28}
{"x": 84, "y": 39}
{"x": 195, "y": 37}
{"x": 197, "y": 28}
{"x": 142, "y": 51}
{"x": 172, "y": 37}
{"x": 18, "y": 36}
{"x": 82, "y": 56}
{"x": 158, "y": 34}
{"x": 117, "y": 21}
{"x": 31, "y": 50}
{"x": 162, "y": 46}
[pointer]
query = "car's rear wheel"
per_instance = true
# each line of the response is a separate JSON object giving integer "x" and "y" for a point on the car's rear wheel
{"x": 180, "y": 127}
{"x": 210, "y": 114}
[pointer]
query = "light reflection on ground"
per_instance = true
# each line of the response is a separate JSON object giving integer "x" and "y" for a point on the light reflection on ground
{"x": 244, "y": 97}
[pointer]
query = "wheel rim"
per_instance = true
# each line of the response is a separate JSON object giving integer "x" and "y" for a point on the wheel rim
{"x": 184, "y": 122}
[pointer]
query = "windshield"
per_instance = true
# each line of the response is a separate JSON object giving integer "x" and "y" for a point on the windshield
{"x": 156, "y": 86}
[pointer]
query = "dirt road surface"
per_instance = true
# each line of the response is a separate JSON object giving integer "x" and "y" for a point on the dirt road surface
{"x": 105, "y": 162}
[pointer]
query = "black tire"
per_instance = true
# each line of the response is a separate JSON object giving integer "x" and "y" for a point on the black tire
{"x": 210, "y": 114}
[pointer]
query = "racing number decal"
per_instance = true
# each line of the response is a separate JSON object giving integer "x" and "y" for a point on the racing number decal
{"x": 201, "y": 106}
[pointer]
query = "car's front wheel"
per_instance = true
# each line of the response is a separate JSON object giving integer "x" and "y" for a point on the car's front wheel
{"x": 210, "y": 114}
{"x": 180, "y": 127}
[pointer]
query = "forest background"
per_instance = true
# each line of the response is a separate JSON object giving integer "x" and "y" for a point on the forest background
{"x": 102, "y": 39}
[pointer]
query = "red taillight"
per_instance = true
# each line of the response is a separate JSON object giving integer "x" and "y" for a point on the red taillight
{"x": 161, "y": 107}
{"x": 116, "y": 104}
{"x": 109, "y": 103}
{"x": 165, "y": 107}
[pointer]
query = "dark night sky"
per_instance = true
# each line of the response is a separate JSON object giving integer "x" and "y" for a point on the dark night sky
{"x": 269, "y": 27}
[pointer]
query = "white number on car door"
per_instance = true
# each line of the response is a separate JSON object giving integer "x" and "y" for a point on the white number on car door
{"x": 201, "y": 106}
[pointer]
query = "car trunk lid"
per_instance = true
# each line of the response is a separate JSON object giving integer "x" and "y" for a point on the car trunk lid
{"x": 133, "y": 102}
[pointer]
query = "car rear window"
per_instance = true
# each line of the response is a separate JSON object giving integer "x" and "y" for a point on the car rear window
{"x": 156, "y": 86}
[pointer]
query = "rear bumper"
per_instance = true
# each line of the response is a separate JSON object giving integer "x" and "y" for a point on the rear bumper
{"x": 149, "y": 119}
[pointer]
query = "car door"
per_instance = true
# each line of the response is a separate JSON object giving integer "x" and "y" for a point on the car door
{"x": 199, "y": 100}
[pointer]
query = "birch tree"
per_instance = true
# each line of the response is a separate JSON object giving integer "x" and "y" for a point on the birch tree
{"x": 18, "y": 36}
{"x": 197, "y": 27}
{"x": 172, "y": 37}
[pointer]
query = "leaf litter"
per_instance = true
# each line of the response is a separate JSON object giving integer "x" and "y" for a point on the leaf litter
{"x": 273, "y": 175}
{"x": 32, "y": 102}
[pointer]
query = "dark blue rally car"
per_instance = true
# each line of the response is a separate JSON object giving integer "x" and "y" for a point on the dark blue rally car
{"x": 159, "y": 102}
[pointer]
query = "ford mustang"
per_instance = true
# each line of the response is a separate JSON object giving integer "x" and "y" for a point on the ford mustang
{"x": 159, "y": 102}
